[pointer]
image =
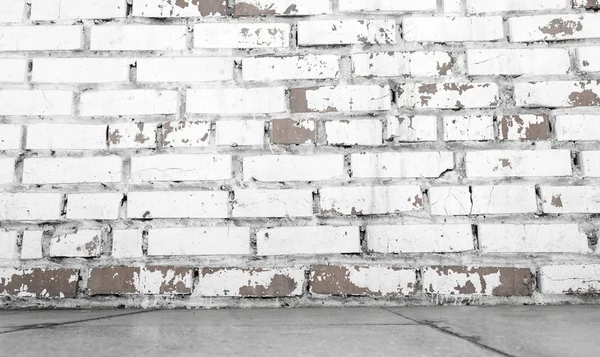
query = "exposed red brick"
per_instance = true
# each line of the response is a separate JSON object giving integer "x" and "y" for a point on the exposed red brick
{"x": 42, "y": 283}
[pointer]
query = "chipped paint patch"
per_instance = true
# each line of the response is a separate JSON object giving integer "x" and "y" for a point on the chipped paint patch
{"x": 251, "y": 282}
{"x": 477, "y": 280}
{"x": 40, "y": 283}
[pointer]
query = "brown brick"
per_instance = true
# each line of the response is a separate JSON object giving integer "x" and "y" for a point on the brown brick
{"x": 42, "y": 283}
{"x": 156, "y": 280}
{"x": 173, "y": 280}
{"x": 524, "y": 127}
{"x": 113, "y": 280}
{"x": 288, "y": 131}
{"x": 251, "y": 282}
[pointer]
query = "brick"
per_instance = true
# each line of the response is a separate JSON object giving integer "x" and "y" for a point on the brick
{"x": 128, "y": 102}
{"x": 266, "y": 69}
{"x": 489, "y": 281}
{"x": 154, "y": 280}
{"x": 240, "y": 133}
{"x": 553, "y": 27}
{"x": 354, "y": 98}
{"x": 346, "y": 32}
{"x": 186, "y": 134}
{"x": 588, "y": 59}
{"x": 473, "y": 127}
{"x": 77, "y": 9}
{"x": 393, "y": 64}
{"x": 8, "y": 244}
{"x": 35, "y": 102}
{"x": 40, "y": 283}
{"x": 30, "y": 206}
{"x": 225, "y": 101}
{"x": 290, "y": 131}
{"x": 177, "y": 204}
{"x": 447, "y": 95}
{"x": 510, "y": 163}
{"x": 180, "y": 8}
{"x": 539, "y": 61}
{"x": 80, "y": 70}
{"x": 102, "y": 169}
{"x": 83, "y": 243}
{"x": 138, "y": 38}
{"x": 376, "y": 281}
{"x": 580, "y": 279}
{"x": 12, "y": 10}
{"x": 41, "y": 38}
{"x": 31, "y": 247}
{"x": 485, "y": 6}
{"x": 281, "y": 7}
{"x": 66, "y": 137}
{"x": 354, "y": 132}
{"x": 275, "y": 168}
{"x": 370, "y": 200}
{"x": 273, "y": 203}
{"x": 112, "y": 280}
{"x": 10, "y": 136}
{"x": 420, "y": 238}
{"x": 13, "y": 70}
{"x": 241, "y": 35}
{"x": 387, "y": 5}
{"x": 590, "y": 4}
{"x": 577, "y": 127}
{"x": 531, "y": 238}
{"x": 184, "y": 167}
{"x": 251, "y": 282}
{"x": 524, "y": 127}
{"x": 7, "y": 170}
{"x": 184, "y": 69}
{"x": 412, "y": 128}
{"x": 558, "y": 94}
{"x": 452, "y": 29}
{"x": 450, "y": 201}
{"x": 452, "y": 7}
{"x": 503, "y": 199}
{"x": 570, "y": 199}
{"x": 401, "y": 164}
{"x": 93, "y": 205}
{"x": 199, "y": 241}
{"x": 132, "y": 135}
{"x": 590, "y": 163}
{"x": 127, "y": 243}
{"x": 308, "y": 240}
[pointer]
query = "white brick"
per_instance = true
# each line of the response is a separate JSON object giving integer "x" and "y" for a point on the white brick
{"x": 588, "y": 59}
{"x": 275, "y": 168}
{"x": 8, "y": 241}
{"x": 127, "y": 243}
{"x": 475, "y": 281}
{"x": 553, "y": 27}
{"x": 354, "y": 132}
{"x": 35, "y": 102}
{"x": 240, "y": 132}
{"x": 103, "y": 169}
{"x": 452, "y": 7}
{"x": 237, "y": 100}
{"x": 485, "y": 6}
{"x": 510, "y": 163}
{"x": 524, "y": 127}
{"x": 138, "y": 37}
{"x": 66, "y": 137}
{"x": 199, "y": 241}
{"x": 557, "y": 94}
{"x": 80, "y": 70}
{"x": 577, "y": 127}
{"x": 30, "y": 206}
{"x": 13, "y": 70}
{"x": 370, "y": 200}
{"x": 12, "y": 10}
{"x": 93, "y": 205}
{"x": 366, "y": 98}
{"x": 186, "y": 167}
{"x": 241, "y": 35}
{"x": 532, "y": 238}
{"x": 31, "y": 248}
{"x": 387, "y": 5}
{"x": 84, "y": 243}
{"x": 421, "y": 238}
{"x": 281, "y": 7}
{"x": 273, "y": 203}
{"x": 401, "y": 164}
{"x": 393, "y": 64}
{"x": 10, "y": 136}
{"x": 132, "y": 135}
{"x": 287, "y": 68}
{"x": 586, "y": 3}
{"x": 452, "y": 29}
{"x": 308, "y": 240}
{"x": 179, "y": 8}
{"x": 412, "y": 128}
{"x": 251, "y": 282}
{"x": 346, "y": 32}
{"x": 473, "y": 127}
{"x": 128, "y": 102}
{"x": 186, "y": 134}
{"x": 570, "y": 199}
{"x": 7, "y": 170}
{"x": 503, "y": 199}
{"x": 537, "y": 61}
{"x": 77, "y": 9}
{"x": 590, "y": 162}
{"x": 450, "y": 201}
{"x": 447, "y": 95}
{"x": 40, "y": 38}
{"x": 177, "y": 204}
{"x": 570, "y": 279}
{"x": 184, "y": 69}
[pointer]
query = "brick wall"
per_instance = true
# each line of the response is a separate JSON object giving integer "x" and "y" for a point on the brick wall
{"x": 298, "y": 152}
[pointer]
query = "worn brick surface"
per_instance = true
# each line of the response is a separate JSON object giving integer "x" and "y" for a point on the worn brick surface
{"x": 41, "y": 283}
{"x": 250, "y": 282}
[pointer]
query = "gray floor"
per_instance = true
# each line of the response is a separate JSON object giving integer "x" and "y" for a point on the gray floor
{"x": 409, "y": 331}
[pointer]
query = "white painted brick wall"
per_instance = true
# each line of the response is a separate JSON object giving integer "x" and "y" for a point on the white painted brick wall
{"x": 127, "y": 243}
{"x": 13, "y": 70}
{"x": 507, "y": 163}
{"x": 412, "y": 128}
{"x": 66, "y": 137}
{"x": 7, "y": 170}
{"x": 12, "y": 10}
{"x": 236, "y": 101}
{"x": 504, "y": 199}
{"x": 569, "y": 279}
{"x": 273, "y": 203}
{"x": 35, "y": 102}
{"x": 420, "y": 238}
{"x": 240, "y": 132}
{"x": 556, "y": 93}
{"x": 184, "y": 167}
{"x": 83, "y": 243}
{"x": 308, "y": 240}
{"x": 8, "y": 244}
{"x": 181, "y": 8}
{"x": 80, "y": 70}
{"x": 370, "y": 200}
{"x": 42, "y": 37}
{"x": 588, "y": 59}
{"x": 128, "y": 102}
{"x": 447, "y": 95}
{"x": 77, "y": 9}
{"x": 346, "y": 32}
{"x": 72, "y": 170}
{"x": 452, "y": 29}
{"x": 199, "y": 241}
{"x": 177, "y": 204}
{"x": 132, "y": 135}
{"x": 473, "y": 127}
{"x": 392, "y": 64}
{"x": 340, "y": 99}
{"x": 31, "y": 247}
{"x": 241, "y": 35}
{"x": 266, "y": 69}
{"x": 10, "y": 136}
{"x": 577, "y": 127}
{"x": 93, "y": 205}
{"x": 539, "y": 61}
{"x": 386, "y": 5}
{"x": 354, "y": 132}
{"x": 282, "y": 7}
{"x": 485, "y": 6}
{"x": 239, "y": 282}
{"x": 186, "y": 134}
{"x": 570, "y": 199}
{"x": 553, "y": 27}
{"x": 450, "y": 201}
{"x": 590, "y": 163}
{"x": 531, "y": 238}
{"x": 138, "y": 37}
{"x": 274, "y": 168}
{"x": 30, "y": 206}
{"x": 524, "y": 127}
{"x": 184, "y": 69}
{"x": 405, "y": 164}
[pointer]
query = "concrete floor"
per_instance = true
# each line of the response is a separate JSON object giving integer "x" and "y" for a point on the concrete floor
{"x": 407, "y": 331}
